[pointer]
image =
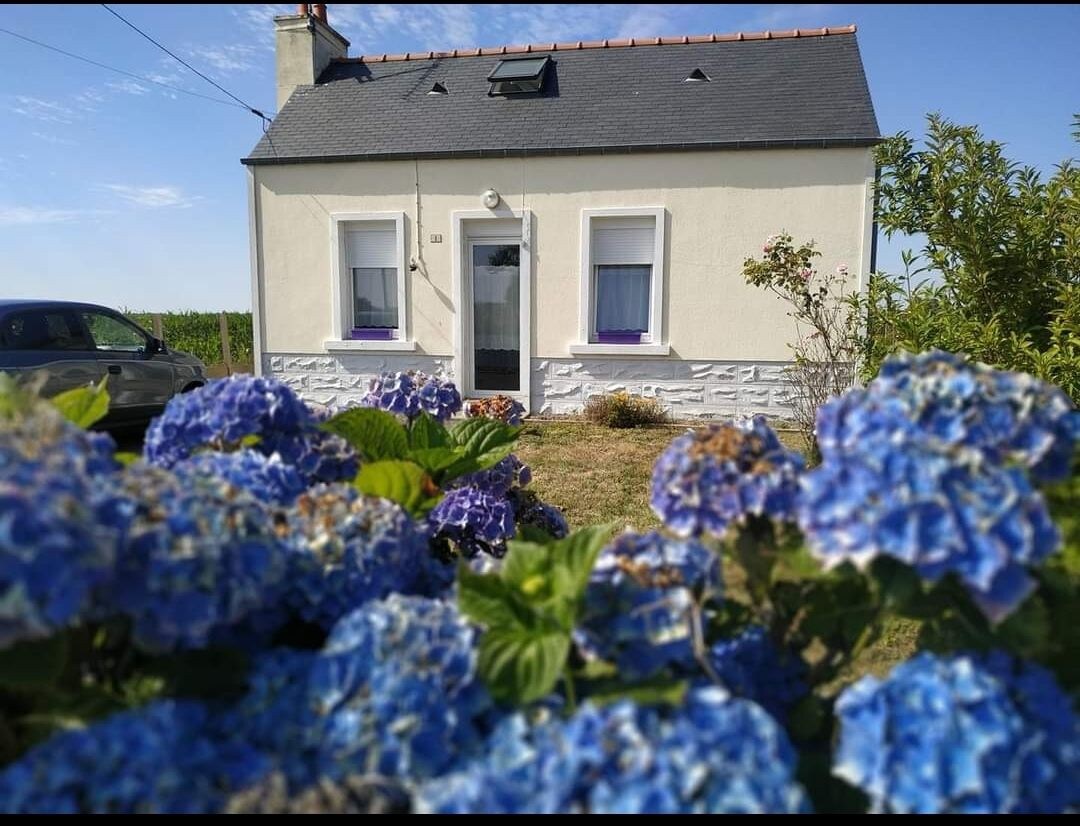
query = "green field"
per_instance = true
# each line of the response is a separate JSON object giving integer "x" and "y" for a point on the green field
{"x": 198, "y": 333}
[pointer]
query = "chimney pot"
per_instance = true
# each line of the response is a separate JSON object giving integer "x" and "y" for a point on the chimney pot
{"x": 319, "y": 10}
{"x": 303, "y": 9}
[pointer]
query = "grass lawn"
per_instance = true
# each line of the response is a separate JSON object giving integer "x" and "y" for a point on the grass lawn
{"x": 597, "y": 474}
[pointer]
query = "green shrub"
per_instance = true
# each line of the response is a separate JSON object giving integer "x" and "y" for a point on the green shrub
{"x": 625, "y": 410}
{"x": 997, "y": 276}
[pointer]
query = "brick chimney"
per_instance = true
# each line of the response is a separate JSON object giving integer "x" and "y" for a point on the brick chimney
{"x": 306, "y": 43}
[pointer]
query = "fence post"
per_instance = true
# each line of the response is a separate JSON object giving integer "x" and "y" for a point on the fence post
{"x": 226, "y": 354}
{"x": 156, "y": 321}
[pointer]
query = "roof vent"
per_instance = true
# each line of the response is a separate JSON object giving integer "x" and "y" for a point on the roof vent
{"x": 697, "y": 76}
{"x": 518, "y": 75}
{"x": 439, "y": 89}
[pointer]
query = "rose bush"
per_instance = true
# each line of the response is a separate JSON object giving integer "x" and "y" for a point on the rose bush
{"x": 279, "y": 610}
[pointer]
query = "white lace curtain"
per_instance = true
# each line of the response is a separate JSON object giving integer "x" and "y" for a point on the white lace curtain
{"x": 375, "y": 297}
{"x": 622, "y": 298}
{"x": 496, "y": 320}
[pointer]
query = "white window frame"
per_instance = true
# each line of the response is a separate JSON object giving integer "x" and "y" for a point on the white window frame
{"x": 657, "y": 345}
{"x": 341, "y": 322}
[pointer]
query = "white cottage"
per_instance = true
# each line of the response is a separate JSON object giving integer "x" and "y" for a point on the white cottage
{"x": 554, "y": 220}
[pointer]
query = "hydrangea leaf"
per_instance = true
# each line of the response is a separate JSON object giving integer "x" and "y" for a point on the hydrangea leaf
{"x": 436, "y": 459}
{"x": 658, "y": 691}
{"x": 14, "y": 401}
{"x": 575, "y": 556}
{"x": 375, "y": 434}
{"x": 479, "y": 436}
{"x": 521, "y": 666}
{"x": 492, "y": 602}
{"x": 468, "y": 463}
{"x": 426, "y": 432}
{"x": 554, "y": 575}
{"x": 33, "y": 663}
{"x": 83, "y": 406}
{"x": 403, "y": 482}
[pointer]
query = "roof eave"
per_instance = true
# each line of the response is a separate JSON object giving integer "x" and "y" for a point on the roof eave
{"x": 627, "y": 149}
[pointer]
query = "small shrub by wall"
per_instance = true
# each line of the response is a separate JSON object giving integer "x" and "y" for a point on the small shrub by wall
{"x": 624, "y": 410}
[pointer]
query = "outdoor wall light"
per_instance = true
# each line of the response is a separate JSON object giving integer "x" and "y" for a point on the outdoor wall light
{"x": 490, "y": 199}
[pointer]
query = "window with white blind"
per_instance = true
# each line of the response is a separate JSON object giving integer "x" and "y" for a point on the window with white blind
{"x": 370, "y": 282}
{"x": 371, "y": 252}
{"x": 622, "y": 278}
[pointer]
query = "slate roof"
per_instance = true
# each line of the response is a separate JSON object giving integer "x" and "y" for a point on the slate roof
{"x": 783, "y": 89}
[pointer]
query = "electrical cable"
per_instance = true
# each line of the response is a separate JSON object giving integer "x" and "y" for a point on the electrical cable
{"x": 184, "y": 63}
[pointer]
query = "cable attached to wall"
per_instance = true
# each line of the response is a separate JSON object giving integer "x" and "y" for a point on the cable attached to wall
{"x": 418, "y": 263}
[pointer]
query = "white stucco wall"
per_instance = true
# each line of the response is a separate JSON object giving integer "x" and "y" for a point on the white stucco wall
{"x": 720, "y": 206}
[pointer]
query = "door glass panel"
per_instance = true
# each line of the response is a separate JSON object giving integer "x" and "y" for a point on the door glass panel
{"x": 496, "y": 318}
{"x": 113, "y": 334}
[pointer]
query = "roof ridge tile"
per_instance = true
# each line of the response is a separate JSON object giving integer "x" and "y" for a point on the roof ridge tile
{"x": 606, "y": 43}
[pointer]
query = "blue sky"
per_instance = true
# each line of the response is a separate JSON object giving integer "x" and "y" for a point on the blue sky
{"x": 128, "y": 194}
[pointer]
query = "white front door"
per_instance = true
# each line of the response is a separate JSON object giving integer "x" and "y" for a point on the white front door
{"x": 493, "y": 321}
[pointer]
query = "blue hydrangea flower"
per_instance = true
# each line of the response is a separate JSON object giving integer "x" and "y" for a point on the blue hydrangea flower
{"x": 1009, "y": 416}
{"x": 1053, "y": 774}
{"x": 499, "y": 479}
{"x": 410, "y": 393}
{"x": 641, "y": 600}
{"x": 38, "y": 437}
{"x": 156, "y": 759}
{"x": 955, "y": 735}
{"x": 529, "y": 510}
{"x": 473, "y": 519}
{"x": 714, "y": 754}
{"x": 199, "y": 561}
{"x": 884, "y": 488}
{"x": 717, "y": 475}
{"x": 750, "y": 665}
{"x": 225, "y": 412}
{"x": 439, "y": 398}
{"x": 55, "y": 554}
{"x": 394, "y": 692}
{"x": 350, "y": 549}
{"x": 268, "y": 479}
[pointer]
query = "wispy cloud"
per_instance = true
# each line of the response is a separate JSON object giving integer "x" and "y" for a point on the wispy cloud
{"x": 89, "y": 99}
{"x": 258, "y": 19}
{"x": 56, "y": 140}
{"x": 50, "y": 111}
{"x": 128, "y": 87}
{"x": 24, "y": 216}
{"x": 649, "y": 19}
{"x": 237, "y": 57}
{"x": 791, "y": 14}
{"x": 153, "y": 196}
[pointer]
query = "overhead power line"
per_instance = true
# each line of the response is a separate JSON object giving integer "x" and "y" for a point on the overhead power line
{"x": 132, "y": 75}
{"x": 183, "y": 62}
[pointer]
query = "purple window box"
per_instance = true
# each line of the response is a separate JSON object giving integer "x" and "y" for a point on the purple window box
{"x": 372, "y": 333}
{"x": 619, "y": 337}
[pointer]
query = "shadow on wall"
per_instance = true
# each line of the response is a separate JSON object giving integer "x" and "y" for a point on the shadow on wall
{"x": 736, "y": 169}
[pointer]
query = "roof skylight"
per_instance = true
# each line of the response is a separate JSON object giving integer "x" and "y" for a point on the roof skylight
{"x": 514, "y": 76}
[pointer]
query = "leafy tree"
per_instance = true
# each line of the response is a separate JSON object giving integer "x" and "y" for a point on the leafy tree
{"x": 1005, "y": 247}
